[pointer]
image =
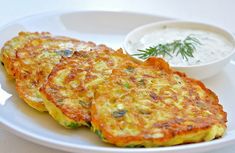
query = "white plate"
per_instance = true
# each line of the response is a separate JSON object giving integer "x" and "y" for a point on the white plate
{"x": 101, "y": 27}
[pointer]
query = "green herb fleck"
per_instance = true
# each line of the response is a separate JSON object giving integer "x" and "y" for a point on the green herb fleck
{"x": 135, "y": 146}
{"x": 85, "y": 104}
{"x": 130, "y": 69}
{"x": 127, "y": 85}
{"x": 60, "y": 100}
{"x": 141, "y": 82}
{"x": 97, "y": 132}
{"x": 72, "y": 125}
{"x": 65, "y": 52}
{"x": 119, "y": 113}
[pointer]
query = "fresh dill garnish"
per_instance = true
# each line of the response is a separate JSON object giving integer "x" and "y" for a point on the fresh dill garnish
{"x": 185, "y": 48}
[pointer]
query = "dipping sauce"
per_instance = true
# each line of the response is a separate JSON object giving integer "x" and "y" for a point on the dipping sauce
{"x": 213, "y": 46}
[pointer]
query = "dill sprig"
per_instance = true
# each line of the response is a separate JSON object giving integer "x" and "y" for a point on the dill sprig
{"x": 185, "y": 48}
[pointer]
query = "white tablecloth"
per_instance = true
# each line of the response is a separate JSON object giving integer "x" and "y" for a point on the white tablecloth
{"x": 218, "y": 12}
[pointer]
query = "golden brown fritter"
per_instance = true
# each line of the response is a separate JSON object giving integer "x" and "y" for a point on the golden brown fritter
{"x": 35, "y": 61}
{"x": 70, "y": 87}
{"x": 152, "y": 105}
{"x": 8, "y": 51}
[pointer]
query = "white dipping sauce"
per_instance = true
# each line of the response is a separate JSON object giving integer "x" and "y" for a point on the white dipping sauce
{"x": 213, "y": 46}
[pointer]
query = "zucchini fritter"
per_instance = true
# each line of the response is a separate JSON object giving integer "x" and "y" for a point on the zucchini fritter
{"x": 35, "y": 61}
{"x": 8, "y": 51}
{"x": 69, "y": 90}
{"x": 151, "y": 105}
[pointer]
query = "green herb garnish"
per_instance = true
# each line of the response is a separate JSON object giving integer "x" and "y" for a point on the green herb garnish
{"x": 185, "y": 48}
{"x": 98, "y": 132}
{"x": 85, "y": 104}
{"x": 119, "y": 113}
{"x": 130, "y": 69}
{"x": 65, "y": 52}
{"x": 72, "y": 125}
{"x": 127, "y": 85}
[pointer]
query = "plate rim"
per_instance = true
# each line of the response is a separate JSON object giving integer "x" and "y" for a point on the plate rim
{"x": 62, "y": 11}
{"x": 52, "y": 143}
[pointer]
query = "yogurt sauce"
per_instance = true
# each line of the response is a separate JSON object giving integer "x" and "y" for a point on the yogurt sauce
{"x": 213, "y": 46}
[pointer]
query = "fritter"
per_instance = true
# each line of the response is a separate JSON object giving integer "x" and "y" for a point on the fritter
{"x": 152, "y": 105}
{"x": 8, "y": 51}
{"x": 35, "y": 61}
{"x": 69, "y": 90}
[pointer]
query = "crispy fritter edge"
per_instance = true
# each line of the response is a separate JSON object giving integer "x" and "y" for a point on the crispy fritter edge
{"x": 196, "y": 135}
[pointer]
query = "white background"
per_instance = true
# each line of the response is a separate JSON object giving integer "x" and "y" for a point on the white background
{"x": 218, "y": 12}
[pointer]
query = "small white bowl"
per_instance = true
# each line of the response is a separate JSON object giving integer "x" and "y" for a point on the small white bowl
{"x": 201, "y": 71}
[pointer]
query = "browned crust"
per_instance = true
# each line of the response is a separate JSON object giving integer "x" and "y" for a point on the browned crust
{"x": 172, "y": 128}
{"x": 8, "y": 51}
{"x": 30, "y": 77}
{"x": 215, "y": 103}
{"x": 51, "y": 91}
